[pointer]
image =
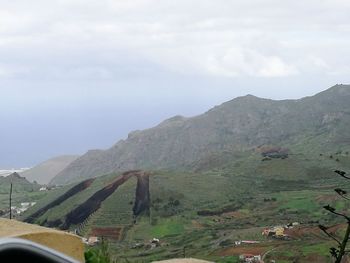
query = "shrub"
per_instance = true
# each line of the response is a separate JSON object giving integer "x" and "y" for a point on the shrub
{"x": 98, "y": 254}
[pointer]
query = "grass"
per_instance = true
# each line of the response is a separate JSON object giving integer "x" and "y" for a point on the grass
{"x": 260, "y": 194}
{"x": 22, "y": 191}
{"x": 301, "y": 203}
{"x": 319, "y": 249}
{"x": 229, "y": 259}
{"x": 116, "y": 210}
{"x": 168, "y": 227}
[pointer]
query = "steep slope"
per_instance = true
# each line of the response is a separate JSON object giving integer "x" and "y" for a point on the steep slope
{"x": 235, "y": 126}
{"x": 44, "y": 172}
{"x": 71, "y": 192}
{"x": 85, "y": 204}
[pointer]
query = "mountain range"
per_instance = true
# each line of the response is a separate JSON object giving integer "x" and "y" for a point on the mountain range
{"x": 243, "y": 124}
{"x": 210, "y": 180}
{"x": 20, "y": 184}
{"x": 45, "y": 171}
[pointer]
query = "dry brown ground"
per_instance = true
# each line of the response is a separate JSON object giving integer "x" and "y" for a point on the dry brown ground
{"x": 248, "y": 249}
{"x": 196, "y": 224}
{"x": 299, "y": 232}
{"x": 109, "y": 232}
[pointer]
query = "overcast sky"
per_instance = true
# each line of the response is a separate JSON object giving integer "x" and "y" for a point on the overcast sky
{"x": 81, "y": 74}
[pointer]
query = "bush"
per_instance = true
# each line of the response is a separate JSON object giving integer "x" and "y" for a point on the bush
{"x": 98, "y": 254}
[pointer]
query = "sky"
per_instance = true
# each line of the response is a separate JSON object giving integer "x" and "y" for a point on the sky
{"x": 78, "y": 75}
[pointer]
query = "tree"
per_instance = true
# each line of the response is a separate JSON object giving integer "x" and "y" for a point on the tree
{"x": 339, "y": 252}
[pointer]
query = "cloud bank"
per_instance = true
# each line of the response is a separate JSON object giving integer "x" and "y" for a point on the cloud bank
{"x": 110, "y": 39}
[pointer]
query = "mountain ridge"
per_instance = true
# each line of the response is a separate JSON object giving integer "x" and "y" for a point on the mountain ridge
{"x": 45, "y": 171}
{"x": 237, "y": 125}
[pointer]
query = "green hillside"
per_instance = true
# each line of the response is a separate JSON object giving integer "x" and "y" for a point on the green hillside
{"x": 211, "y": 180}
{"x": 207, "y": 210}
{"x": 22, "y": 191}
{"x": 318, "y": 123}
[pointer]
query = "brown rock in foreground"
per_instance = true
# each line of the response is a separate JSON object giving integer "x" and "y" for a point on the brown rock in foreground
{"x": 68, "y": 244}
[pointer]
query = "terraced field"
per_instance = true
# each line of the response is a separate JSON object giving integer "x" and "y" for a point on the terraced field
{"x": 201, "y": 214}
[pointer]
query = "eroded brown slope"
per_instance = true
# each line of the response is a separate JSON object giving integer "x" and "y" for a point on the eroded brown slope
{"x": 83, "y": 211}
{"x": 142, "y": 198}
{"x": 73, "y": 191}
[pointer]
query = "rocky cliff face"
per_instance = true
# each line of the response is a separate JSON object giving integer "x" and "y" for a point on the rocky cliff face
{"x": 237, "y": 125}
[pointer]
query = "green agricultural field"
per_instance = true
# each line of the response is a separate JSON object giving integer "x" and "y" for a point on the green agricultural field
{"x": 20, "y": 197}
{"x": 22, "y": 191}
{"x": 201, "y": 214}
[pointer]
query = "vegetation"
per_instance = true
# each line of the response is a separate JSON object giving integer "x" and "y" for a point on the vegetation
{"x": 99, "y": 254}
{"x": 276, "y": 129}
{"x": 210, "y": 192}
{"x": 241, "y": 198}
{"x": 23, "y": 191}
{"x": 339, "y": 252}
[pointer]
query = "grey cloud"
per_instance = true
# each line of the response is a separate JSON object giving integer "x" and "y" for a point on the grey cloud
{"x": 218, "y": 38}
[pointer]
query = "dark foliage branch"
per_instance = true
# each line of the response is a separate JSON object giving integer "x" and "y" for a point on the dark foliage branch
{"x": 332, "y": 210}
{"x": 338, "y": 253}
{"x": 342, "y": 174}
{"x": 324, "y": 229}
{"x": 342, "y": 193}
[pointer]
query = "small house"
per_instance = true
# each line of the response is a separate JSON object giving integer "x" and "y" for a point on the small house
{"x": 93, "y": 241}
{"x": 250, "y": 258}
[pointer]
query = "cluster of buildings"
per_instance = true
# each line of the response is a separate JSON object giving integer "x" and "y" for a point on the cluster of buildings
{"x": 278, "y": 231}
{"x": 48, "y": 188}
{"x": 250, "y": 258}
{"x": 23, "y": 207}
{"x": 153, "y": 243}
